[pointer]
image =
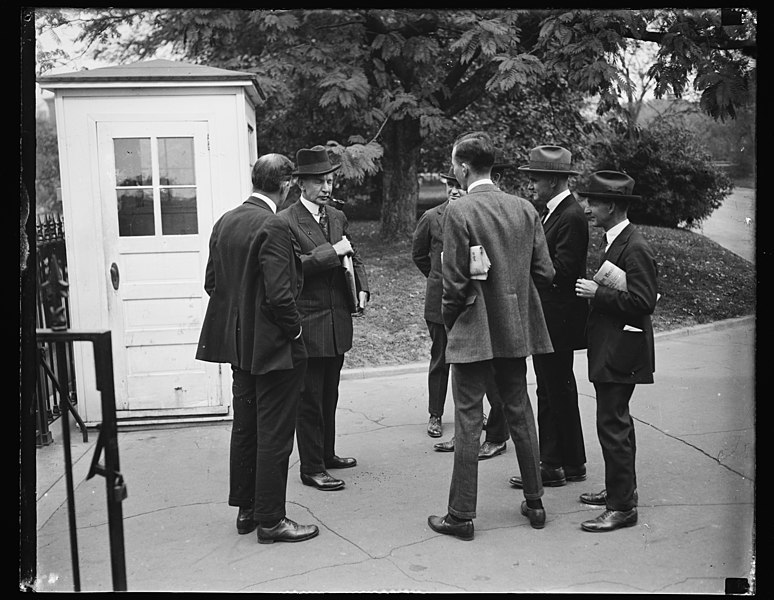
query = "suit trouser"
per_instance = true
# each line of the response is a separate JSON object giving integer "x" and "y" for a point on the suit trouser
{"x": 438, "y": 373}
{"x": 438, "y": 383}
{"x": 469, "y": 384}
{"x": 262, "y": 439}
{"x": 615, "y": 429}
{"x": 316, "y": 422}
{"x": 559, "y": 422}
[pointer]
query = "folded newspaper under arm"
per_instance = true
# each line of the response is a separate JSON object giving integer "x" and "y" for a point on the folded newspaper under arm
{"x": 349, "y": 275}
{"x": 479, "y": 263}
{"x": 611, "y": 276}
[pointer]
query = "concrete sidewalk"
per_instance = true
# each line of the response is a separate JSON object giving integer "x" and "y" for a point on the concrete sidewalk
{"x": 696, "y": 478}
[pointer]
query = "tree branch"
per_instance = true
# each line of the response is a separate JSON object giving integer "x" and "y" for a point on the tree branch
{"x": 658, "y": 38}
{"x": 469, "y": 91}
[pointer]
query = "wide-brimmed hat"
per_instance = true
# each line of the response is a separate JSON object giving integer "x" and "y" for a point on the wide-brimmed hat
{"x": 449, "y": 176}
{"x": 610, "y": 185}
{"x": 549, "y": 159}
{"x": 313, "y": 162}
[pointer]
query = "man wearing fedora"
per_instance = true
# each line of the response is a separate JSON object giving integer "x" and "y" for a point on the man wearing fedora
{"x": 562, "y": 451}
{"x": 321, "y": 232}
{"x": 620, "y": 342}
{"x": 253, "y": 279}
{"x": 493, "y": 321}
{"x": 427, "y": 247}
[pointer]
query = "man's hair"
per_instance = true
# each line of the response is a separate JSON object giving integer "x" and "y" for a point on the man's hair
{"x": 269, "y": 171}
{"x": 476, "y": 149}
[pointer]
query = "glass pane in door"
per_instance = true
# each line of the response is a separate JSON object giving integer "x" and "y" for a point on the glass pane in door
{"x": 176, "y": 161}
{"x": 135, "y": 212}
{"x": 178, "y": 211}
{"x": 133, "y": 161}
{"x": 177, "y": 179}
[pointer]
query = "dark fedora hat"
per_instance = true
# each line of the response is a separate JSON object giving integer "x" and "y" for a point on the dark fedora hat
{"x": 450, "y": 176}
{"x": 314, "y": 161}
{"x": 610, "y": 185}
{"x": 549, "y": 159}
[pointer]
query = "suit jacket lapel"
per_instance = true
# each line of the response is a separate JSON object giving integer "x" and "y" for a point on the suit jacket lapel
{"x": 308, "y": 224}
{"x": 554, "y": 216}
{"x": 619, "y": 243}
{"x": 336, "y": 225}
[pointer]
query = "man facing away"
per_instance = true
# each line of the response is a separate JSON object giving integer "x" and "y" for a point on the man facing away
{"x": 493, "y": 324}
{"x": 562, "y": 451}
{"x": 326, "y": 313}
{"x": 427, "y": 247}
{"x": 621, "y": 351}
{"x": 253, "y": 279}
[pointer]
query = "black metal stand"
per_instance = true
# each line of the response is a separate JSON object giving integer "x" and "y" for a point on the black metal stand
{"x": 107, "y": 442}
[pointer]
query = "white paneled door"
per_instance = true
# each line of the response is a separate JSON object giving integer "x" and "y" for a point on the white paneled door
{"x": 155, "y": 192}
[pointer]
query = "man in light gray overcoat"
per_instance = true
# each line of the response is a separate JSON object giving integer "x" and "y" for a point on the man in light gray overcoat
{"x": 493, "y": 324}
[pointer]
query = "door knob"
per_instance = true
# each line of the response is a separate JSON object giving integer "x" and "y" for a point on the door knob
{"x": 114, "y": 277}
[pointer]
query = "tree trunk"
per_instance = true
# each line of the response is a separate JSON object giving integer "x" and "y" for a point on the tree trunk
{"x": 400, "y": 181}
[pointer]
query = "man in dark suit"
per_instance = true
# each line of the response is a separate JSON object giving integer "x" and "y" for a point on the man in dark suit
{"x": 494, "y": 321}
{"x": 621, "y": 352}
{"x": 562, "y": 452}
{"x": 253, "y": 278}
{"x": 427, "y": 246}
{"x": 326, "y": 313}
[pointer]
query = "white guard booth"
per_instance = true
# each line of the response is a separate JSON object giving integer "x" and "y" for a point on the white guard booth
{"x": 151, "y": 154}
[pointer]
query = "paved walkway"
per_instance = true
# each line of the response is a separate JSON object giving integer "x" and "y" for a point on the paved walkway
{"x": 696, "y": 475}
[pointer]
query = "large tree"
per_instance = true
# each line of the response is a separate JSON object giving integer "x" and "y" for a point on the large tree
{"x": 383, "y": 80}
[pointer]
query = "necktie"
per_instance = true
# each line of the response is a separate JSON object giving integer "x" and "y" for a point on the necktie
{"x": 543, "y": 215}
{"x": 324, "y": 225}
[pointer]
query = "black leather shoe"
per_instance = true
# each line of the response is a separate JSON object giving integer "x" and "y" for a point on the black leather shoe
{"x": 286, "y": 531}
{"x": 462, "y": 530}
{"x": 550, "y": 477}
{"x": 337, "y": 462}
{"x": 322, "y": 481}
{"x": 434, "y": 427}
{"x": 600, "y": 499}
{"x": 536, "y": 516}
{"x": 445, "y": 446}
{"x": 611, "y": 520}
{"x": 245, "y": 522}
{"x": 490, "y": 449}
{"x": 577, "y": 473}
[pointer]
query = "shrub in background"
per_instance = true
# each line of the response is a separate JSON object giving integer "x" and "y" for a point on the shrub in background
{"x": 672, "y": 172}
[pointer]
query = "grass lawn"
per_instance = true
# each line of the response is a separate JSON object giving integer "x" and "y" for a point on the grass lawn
{"x": 700, "y": 282}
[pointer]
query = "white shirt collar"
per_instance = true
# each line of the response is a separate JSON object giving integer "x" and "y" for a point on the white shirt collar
{"x": 313, "y": 208}
{"x": 614, "y": 231}
{"x": 480, "y": 182}
{"x": 267, "y": 200}
{"x": 554, "y": 202}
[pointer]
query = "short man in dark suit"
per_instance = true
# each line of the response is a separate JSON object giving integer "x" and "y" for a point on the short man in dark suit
{"x": 494, "y": 321}
{"x": 253, "y": 278}
{"x": 427, "y": 246}
{"x": 562, "y": 452}
{"x": 621, "y": 352}
{"x": 326, "y": 313}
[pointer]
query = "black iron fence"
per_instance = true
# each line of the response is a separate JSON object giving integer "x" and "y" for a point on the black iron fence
{"x": 55, "y": 387}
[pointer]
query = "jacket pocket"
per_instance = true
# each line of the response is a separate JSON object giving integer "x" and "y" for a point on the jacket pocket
{"x": 626, "y": 353}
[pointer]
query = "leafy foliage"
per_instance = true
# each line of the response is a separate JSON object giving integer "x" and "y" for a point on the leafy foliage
{"x": 673, "y": 173}
{"x": 402, "y": 76}
{"x": 46, "y": 168}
